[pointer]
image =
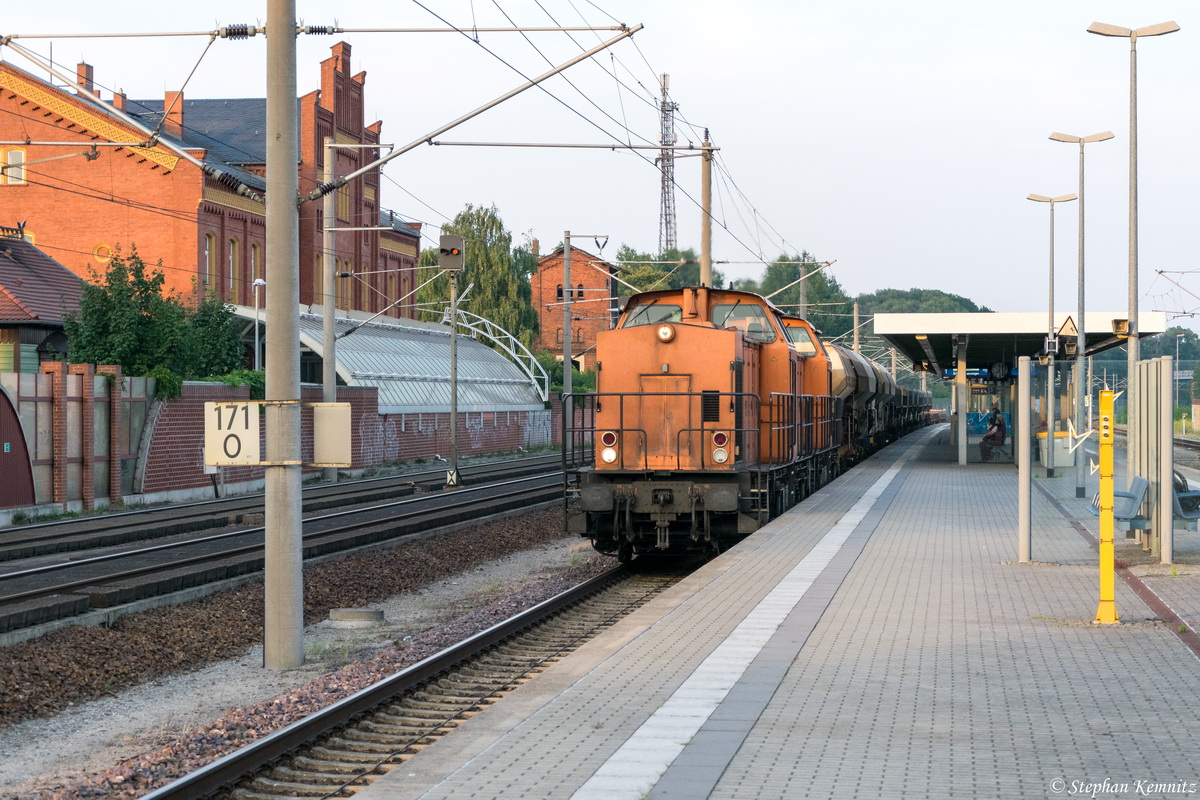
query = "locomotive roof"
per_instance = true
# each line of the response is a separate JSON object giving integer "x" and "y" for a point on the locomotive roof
{"x": 658, "y": 294}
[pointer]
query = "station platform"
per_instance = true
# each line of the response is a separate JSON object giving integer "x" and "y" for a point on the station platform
{"x": 879, "y": 640}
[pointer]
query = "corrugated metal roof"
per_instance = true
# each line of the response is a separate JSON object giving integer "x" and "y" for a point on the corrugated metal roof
{"x": 409, "y": 362}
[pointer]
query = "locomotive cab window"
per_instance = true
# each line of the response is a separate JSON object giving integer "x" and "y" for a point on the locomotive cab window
{"x": 653, "y": 314}
{"x": 749, "y": 318}
{"x": 800, "y": 338}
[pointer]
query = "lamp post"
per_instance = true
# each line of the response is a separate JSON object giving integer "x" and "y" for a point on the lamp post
{"x": 258, "y": 283}
{"x": 1132, "y": 347}
{"x": 1081, "y": 340}
{"x": 1051, "y": 341}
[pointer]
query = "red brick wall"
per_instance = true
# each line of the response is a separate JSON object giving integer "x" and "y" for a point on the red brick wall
{"x": 129, "y": 200}
{"x": 589, "y": 317}
{"x": 175, "y": 457}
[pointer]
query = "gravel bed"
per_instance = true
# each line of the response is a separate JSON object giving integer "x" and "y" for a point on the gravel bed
{"x": 139, "y": 700}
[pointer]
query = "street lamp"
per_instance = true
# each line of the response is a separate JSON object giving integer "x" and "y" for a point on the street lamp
{"x": 1132, "y": 347}
{"x": 1081, "y": 341}
{"x": 1051, "y": 340}
{"x": 258, "y": 282}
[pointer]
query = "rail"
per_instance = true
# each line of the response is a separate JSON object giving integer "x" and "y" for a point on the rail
{"x": 223, "y": 773}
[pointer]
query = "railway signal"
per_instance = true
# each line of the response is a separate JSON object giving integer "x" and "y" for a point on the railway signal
{"x": 450, "y": 256}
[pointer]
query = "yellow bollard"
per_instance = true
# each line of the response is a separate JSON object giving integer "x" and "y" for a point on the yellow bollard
{"x": 1107, "y": 611}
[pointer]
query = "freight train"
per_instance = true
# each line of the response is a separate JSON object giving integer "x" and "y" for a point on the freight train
{"x": 715, "y": 411}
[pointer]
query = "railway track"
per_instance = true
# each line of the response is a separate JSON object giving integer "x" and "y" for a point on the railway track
{"x": 352, "y": 742}
{"x": 105, "y": 583}
{"x": 125, "y": 527}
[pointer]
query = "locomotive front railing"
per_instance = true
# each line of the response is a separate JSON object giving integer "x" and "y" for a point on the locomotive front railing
{"x": 582, "y": 419}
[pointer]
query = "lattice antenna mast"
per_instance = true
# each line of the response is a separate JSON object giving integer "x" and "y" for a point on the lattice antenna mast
{"x": 666, "y": 161}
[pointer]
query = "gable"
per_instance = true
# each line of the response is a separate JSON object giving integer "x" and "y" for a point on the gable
{"x": 90, "y": 119}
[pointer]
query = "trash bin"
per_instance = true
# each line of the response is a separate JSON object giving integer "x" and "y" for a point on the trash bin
{"x": 1063, "y": 457}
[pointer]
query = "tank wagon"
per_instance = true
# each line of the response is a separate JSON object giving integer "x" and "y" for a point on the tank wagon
{"x": 714, "y": 412}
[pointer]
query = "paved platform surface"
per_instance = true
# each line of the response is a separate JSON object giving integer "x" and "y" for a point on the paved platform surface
{"x": 879, "y": 640}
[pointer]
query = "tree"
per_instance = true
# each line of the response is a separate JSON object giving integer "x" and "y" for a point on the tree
{"x": 830, "y": 310}
{"x": 210, "y": 342}
{"x": 673, "y": 269}
{"x": 124, "y": 318}
{"x": 501, "y": 292}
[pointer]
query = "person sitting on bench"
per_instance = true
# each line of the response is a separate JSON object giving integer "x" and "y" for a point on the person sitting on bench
{"x": 995, "y": 436}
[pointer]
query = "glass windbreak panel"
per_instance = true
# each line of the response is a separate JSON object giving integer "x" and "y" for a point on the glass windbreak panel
{"x": 749, "y": 318}
{"x": 652, "y": 314}
{"x": 802, "y": 340}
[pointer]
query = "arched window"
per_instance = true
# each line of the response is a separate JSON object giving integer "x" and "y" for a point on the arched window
{"x": 210, "y": 257}
{"x": 233, "y": 266}
{"x": 558, "y": 292}
{"x": 579, "y": 292}
{"x": 254, "y": 264}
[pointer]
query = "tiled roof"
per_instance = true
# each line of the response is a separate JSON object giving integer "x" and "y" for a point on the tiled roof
{"x": 35, "y": 286}
{"x": 232, "y": 130}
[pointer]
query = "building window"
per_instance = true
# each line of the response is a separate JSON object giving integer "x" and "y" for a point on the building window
{"x": 558, "y": 292}
{"x": 254, "y": 263}
{"x": 558, "y": 335}
{"x": 579, "y": 292}
{"x": 12, "y": 167}
{"x": 210, "y": 257}
{"x": 233, "y": 265}
{"x": 343, "y": 204}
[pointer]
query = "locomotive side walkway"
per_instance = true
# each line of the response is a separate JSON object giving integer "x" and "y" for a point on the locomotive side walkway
{"x": 877, "y": 641}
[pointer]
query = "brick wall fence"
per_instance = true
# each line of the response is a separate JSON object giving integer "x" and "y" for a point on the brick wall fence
{"x": 174, "y": 453}
{"x": 82, "y": 455}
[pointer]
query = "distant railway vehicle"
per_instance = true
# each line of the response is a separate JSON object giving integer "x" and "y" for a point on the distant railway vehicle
{"x": 714, "y": 412}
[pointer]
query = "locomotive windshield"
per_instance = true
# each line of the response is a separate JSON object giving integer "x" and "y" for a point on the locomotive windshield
{"x": 652, "y": 314}
{"x": 749, "y": 318}
{"x": 800, "y": 338}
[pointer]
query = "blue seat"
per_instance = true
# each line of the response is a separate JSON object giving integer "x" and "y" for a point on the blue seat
{"x": 1189, "y": 517}
{"x": 1127, "y": 505}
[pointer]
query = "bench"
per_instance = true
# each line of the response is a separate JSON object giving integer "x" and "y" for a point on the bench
{"x": 1189, "y": 517}
{"x": 1126, "y": 505}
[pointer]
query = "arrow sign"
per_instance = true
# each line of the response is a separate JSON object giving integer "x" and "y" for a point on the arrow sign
{"x": 1094, "y": 465}
{"x": 1077, "y": 440}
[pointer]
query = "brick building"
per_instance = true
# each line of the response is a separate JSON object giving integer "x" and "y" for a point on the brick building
{"x": 591, "y": 292}
{"x": 80, "y": 209}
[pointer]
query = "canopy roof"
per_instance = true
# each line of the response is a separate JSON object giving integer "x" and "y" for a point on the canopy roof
{"x": 409, "y": 362}
{"x": 990, "y": 339}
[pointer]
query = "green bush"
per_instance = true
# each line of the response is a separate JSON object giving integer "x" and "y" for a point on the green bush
{"x": 167, "y": 384}
{"x": 257, "y": 381}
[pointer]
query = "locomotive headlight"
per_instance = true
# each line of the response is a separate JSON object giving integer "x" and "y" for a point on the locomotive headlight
{"x": 665, "y": 333}
{"x": 608, "y": 455}
{"x": 720, "y": 455}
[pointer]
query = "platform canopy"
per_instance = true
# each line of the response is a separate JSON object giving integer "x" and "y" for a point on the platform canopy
{"x": 994, "y": 341}
{"x": 409, "y": 362}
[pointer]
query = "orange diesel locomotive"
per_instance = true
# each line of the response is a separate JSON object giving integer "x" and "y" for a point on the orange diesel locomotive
{"x": 713, "y": 413}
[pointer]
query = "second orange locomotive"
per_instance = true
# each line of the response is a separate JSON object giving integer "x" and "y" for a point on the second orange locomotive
{"x": 714, "y": 412}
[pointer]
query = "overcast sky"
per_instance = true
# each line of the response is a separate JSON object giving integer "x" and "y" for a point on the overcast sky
{"x": 900, "y": 139}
